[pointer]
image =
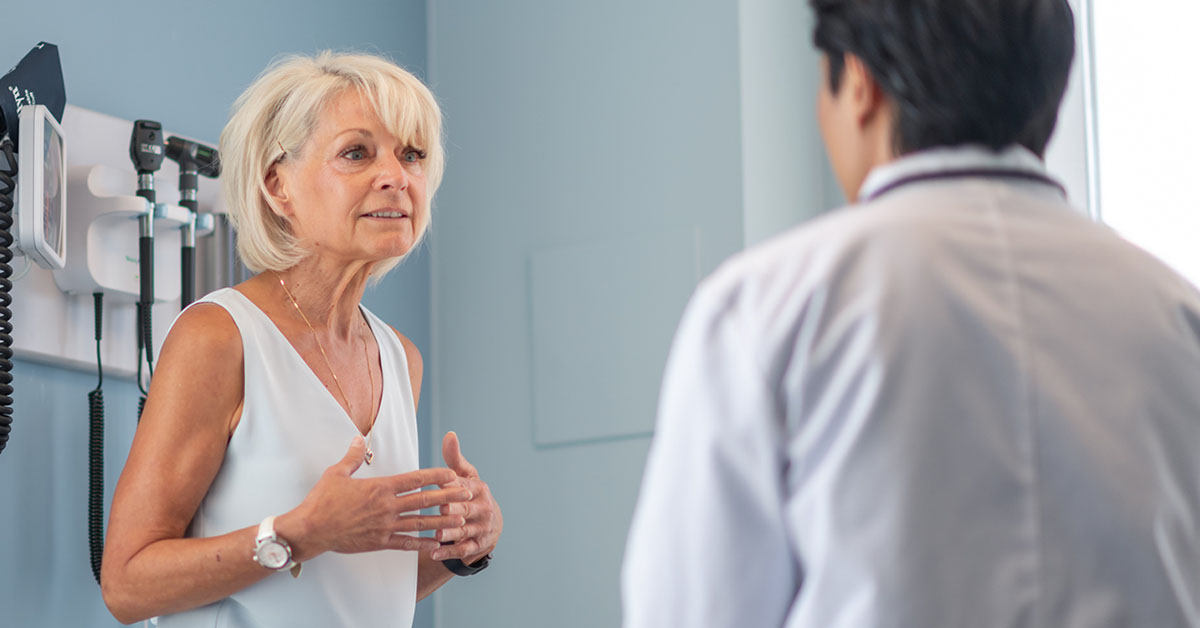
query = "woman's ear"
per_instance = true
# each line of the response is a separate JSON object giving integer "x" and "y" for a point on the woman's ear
{"x": 276, "y": 191}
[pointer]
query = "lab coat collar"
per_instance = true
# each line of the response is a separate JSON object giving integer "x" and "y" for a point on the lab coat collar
{"x": 940, "y": 160}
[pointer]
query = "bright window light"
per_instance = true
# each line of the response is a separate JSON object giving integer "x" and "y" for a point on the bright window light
{"x": 1148, "y": 125}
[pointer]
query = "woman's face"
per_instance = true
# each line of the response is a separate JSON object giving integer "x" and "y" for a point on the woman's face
{"x": 354, "y": 191}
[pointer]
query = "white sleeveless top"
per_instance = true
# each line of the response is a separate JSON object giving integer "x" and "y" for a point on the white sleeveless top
{"x": 291, "y": 430}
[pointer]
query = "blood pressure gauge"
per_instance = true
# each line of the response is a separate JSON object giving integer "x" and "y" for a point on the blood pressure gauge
{"x": 41, "y": 210}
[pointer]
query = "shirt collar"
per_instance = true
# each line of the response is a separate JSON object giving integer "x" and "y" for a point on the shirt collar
{"x": 933, "y": 161}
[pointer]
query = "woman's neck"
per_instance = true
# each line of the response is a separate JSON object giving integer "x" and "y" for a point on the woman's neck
{"x": 328, "y": 293}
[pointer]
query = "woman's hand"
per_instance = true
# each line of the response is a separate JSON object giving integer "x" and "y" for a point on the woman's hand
{"x": 480, "y": 532}
{"x": 349, "y": 515}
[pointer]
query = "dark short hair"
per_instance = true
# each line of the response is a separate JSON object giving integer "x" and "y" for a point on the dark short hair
{"x": 988, "y": 72}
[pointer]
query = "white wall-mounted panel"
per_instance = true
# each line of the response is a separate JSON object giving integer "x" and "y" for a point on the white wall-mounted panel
{"x": 55, "y": 328}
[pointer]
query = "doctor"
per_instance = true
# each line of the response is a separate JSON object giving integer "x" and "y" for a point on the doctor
{"x": 955, "y": 402}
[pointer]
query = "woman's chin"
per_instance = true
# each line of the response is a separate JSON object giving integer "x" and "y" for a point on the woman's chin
{"x": 395, "y": 248}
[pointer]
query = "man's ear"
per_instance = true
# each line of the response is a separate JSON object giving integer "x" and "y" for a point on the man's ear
{"x": 866, "y": 94}
{"x": 276, "y": 191}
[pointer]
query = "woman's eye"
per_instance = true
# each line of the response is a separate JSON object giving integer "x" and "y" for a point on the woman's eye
{"x": 355, "y": 154}
{"x": 413, "y": 156}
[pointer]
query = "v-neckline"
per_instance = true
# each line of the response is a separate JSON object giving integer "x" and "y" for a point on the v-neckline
{"x": 296, "y": 353}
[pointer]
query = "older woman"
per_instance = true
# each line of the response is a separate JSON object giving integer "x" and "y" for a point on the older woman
{"x": 279, "y": 435}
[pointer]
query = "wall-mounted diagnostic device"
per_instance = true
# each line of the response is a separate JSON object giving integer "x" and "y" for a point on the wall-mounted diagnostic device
{"x": 106, "y": 248}
{"x": 112, "y": 246}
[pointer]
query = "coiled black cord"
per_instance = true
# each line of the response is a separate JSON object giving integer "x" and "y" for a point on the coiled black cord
{"x": 9, "y": 183}
{"x": 96, "y": 453}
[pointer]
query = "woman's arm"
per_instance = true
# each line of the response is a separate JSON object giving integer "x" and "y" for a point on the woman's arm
{"x": 177, "y": 450}
{"x": 431, "y": 575}
{"x": 151, "y": 569}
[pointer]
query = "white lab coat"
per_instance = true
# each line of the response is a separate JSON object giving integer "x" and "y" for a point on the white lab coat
{"x": 961, "y": 404}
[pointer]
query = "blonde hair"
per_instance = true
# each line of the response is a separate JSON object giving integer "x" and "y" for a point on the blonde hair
{"x": 278, "y": 113}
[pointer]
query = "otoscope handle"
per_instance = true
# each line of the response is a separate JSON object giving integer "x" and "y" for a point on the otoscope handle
{"x": 187, "y": 250}
{"x": 189, "y": 182}
{"x": 187, "y": 261}
{"x": 146, "y": 264}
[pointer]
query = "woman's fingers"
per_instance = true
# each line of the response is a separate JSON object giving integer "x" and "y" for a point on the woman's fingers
{"x": 460, "y": 550}
{"x": 478, "y": 505}
{"x": 358, "y": 515}
{"x": 463, "y": 508}
{"x": 353, "y": 458}
{"x": 418, "y": 523}
{"x": 434, "y": 498}
{"x": 483, "y": 522}
{"x": 414, "y": 480}
{"x": 452, "y": 454}
{"x": 460, "y": 532}
{"x": 411, "y": 543}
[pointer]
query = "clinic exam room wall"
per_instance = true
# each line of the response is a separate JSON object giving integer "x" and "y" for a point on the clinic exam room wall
{"x": 182, "y": 64}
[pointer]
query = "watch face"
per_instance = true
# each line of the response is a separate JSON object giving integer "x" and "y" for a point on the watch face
{"x": 272, "y": 555}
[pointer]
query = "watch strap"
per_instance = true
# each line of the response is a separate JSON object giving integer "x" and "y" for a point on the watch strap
{"x": 266, "y": 530}
{"x": 459, "y": 568}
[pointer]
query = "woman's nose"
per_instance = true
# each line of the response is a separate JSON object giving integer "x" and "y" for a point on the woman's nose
{"x": 392, "y": 174}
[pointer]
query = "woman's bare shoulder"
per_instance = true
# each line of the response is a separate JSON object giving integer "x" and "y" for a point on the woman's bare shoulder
{"x": 205, "y": 330}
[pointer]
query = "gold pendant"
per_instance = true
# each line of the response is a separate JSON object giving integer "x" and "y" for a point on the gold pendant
{"x": 368, "y": 456}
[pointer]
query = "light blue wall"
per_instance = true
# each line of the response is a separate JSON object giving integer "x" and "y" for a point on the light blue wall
{"x": 183, "y": 64}
{"x": 578, "y": 131}
{"x": 786, "y": 177}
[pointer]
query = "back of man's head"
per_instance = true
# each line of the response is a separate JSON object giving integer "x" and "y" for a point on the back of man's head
{"x": 988, "y": 72}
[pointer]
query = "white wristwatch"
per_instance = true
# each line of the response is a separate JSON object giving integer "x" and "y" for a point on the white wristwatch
{"x": 272, "y": 552}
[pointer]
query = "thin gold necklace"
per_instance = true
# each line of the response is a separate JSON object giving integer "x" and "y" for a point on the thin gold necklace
{"x": 369, "y": 455}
